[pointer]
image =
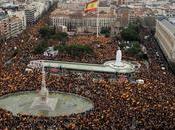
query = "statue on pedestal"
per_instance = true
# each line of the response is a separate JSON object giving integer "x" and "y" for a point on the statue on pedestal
{"x": 118, "y": 58}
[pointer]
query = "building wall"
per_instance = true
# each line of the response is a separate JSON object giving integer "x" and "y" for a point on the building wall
{"x": 15, "y": 26}
{"x": 166, "y": 40}
{"x": 10, "y": 27}
{"x": 1, "y": 32}
{"x": 82, "y": 23}
{"x": 5, "y": 27}
{"x": 19, "y": 14}
{"x": 30, "y": 15}
{"x": 123, "y": 15}
{"x": 122, "y": 2}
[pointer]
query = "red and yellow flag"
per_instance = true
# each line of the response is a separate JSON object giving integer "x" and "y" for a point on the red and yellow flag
{"x": 91, "y": 6}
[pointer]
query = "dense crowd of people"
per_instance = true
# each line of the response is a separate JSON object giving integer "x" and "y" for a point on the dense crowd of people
{"x": 99, "y": 45}
{"x": 117, "y": 105}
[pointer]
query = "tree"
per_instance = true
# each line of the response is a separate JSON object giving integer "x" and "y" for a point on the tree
{"x": 61, "y": 48}
{"x": 46, "y": 32}
{"x": 134, "y": 49}
{"x": 150, "y": 22}
{"x": 78, "y": 50}
{"x": 41, "y": 47}
{"x": 74, "y": 49}
{"x": 61, "y": 36}
{"x": 105, "y": 31}
{"x": 129, "y": 34}
{"x": 142, "y": 56}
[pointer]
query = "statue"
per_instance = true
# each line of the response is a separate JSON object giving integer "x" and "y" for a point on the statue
{"x": 118, "y": 58}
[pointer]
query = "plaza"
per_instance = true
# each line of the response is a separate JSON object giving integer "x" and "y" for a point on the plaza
{"x": 76, "y": 91}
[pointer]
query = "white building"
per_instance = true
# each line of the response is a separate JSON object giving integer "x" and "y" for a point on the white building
{"x": 21, "y": 15}
{"x": 40, "y": 8}
{"x": 10, "y": 26}
{"x": 30, "y": 15}
{"x": 165, "y": 35}
{"x": 4, "y": 31}
{"x": 80, "y": 22}
{"x": 36, "y": 9}
{"x": 15, "y": 26}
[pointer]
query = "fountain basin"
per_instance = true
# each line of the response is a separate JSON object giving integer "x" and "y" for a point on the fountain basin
{"x": 67, "y": 103}
{"x": 125, "y": 67}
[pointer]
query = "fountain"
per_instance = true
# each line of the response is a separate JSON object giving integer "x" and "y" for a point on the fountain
{"x": 119, "y": 65}
{"x": 42, "y": 102}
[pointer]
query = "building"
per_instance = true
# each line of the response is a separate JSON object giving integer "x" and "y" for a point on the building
{"x": 123, "y": 15}
{"x": 35, "y": 9}
{"x": 10, "y": 26}
{"x": 15, "y": 26}
{"x": 10, "y": 6}
{"x": 21, "y": 15}
{"x": 165, "y": 35}
{"x": 105, "y": 7}
{"x": 1, "y": 32}
{"x": 169, "y": 12}
{"x": 72, "y": 4}
{"x": 30, "y": 15}
{"x": 126, "y": 15}
{"x": 122, "y": 2}
{"x": 4, "y": 27}
{"x": 81, "y": 22}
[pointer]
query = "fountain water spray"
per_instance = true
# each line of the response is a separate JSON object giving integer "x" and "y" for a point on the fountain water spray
{"x": 42, "y": 102}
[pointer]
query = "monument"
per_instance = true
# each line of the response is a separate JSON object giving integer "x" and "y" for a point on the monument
{"x": 118, "y": 58}
{"x": 119, "y": 65}
{"x": 42, "y": 102}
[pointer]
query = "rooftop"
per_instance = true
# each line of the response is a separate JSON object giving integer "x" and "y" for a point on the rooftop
{"x": 169, "y": 25}
{"x": 3, "y": 16}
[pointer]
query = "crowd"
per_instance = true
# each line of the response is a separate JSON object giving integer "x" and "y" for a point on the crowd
{"x": 99, "y": 45}
{"x": 125, "y": 105}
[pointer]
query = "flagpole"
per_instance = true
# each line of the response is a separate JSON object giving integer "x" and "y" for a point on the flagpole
{"x": 97, "y": 18}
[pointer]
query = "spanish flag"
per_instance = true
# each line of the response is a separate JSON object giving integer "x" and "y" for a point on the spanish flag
{"x": 91, "y": 6}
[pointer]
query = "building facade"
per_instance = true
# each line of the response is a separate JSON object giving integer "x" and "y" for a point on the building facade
{"x": 122, "y": 2}
{"x": 19, "y": 14}
{"x": 15, "y": 26}
{"x": 1, "y": 32}
{"x": 165, "y": 35}
{"x": 30, "y": 15}
{"x": 10, "y": 27}
{"x": 126, "y": 15}
{"x": 80, "y": 22}
{"x": 4, "y": 27}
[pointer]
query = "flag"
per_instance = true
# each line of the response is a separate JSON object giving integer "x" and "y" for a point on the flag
{"x": 91, "y": 6}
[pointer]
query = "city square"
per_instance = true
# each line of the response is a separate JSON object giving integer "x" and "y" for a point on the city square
{"x": 63, "y": 72}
